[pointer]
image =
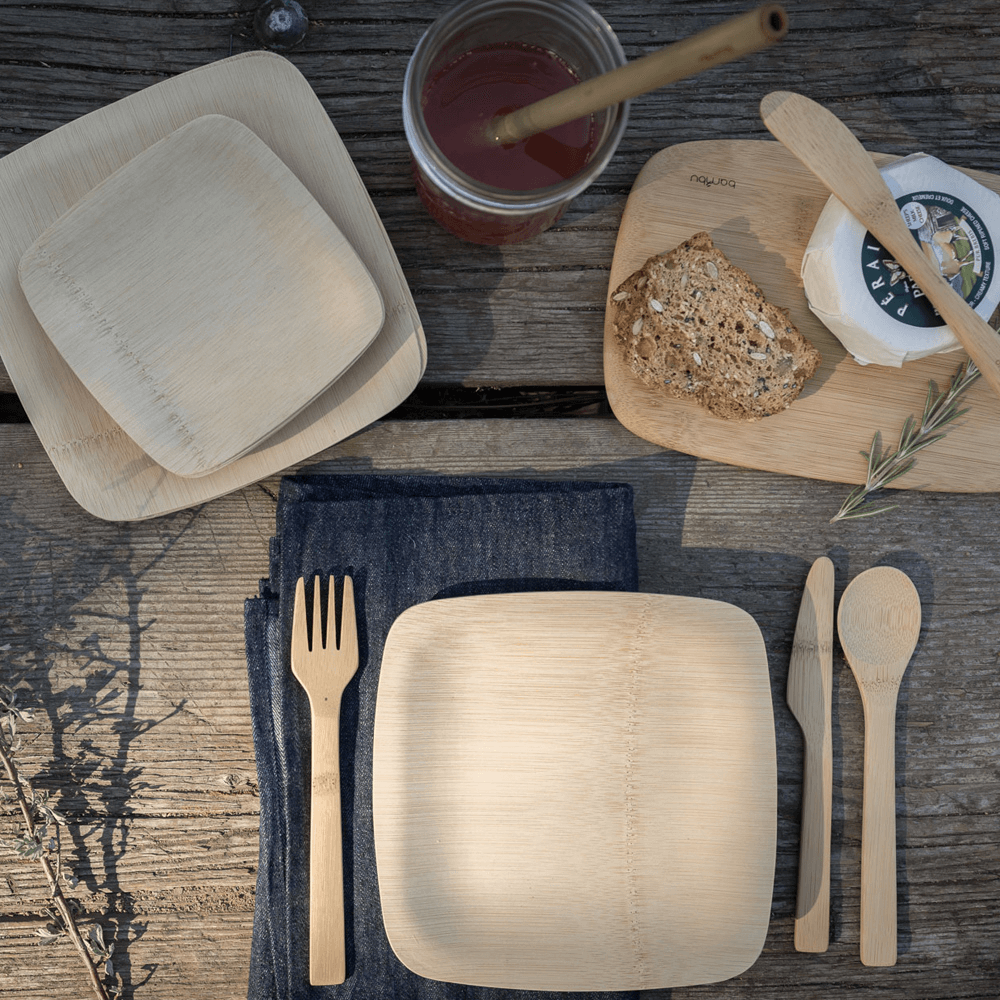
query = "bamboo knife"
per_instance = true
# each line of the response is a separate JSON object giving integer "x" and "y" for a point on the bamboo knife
{"x": 809, "y": 695}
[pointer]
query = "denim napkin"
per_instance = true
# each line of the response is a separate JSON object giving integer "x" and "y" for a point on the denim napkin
{"x": 404, "y": 540}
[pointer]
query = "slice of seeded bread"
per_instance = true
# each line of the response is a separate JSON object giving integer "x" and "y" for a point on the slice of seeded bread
{"x": 696, "y": 326}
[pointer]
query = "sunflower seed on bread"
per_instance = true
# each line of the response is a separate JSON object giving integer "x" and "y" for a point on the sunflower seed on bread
{"x": 698, "y": 327}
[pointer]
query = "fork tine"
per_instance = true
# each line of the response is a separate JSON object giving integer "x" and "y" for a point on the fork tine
{"x": 317, "y": 629}
{"x": 348, "y": 623}
{"x": 331, "y": 616}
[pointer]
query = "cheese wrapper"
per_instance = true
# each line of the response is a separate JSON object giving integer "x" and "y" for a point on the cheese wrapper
{"x": 867, "y": 300}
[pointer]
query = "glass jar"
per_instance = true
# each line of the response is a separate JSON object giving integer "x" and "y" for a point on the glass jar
{"x": 580, "y": 38}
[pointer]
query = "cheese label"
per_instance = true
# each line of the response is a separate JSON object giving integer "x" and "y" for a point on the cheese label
{"x": 953, "y": 236}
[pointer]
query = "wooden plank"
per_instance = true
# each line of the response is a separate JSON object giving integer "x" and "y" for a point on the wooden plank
{"x": 127, "y": 638}
{"x": 903, "y": 78}
{"x": 166, "y": 953}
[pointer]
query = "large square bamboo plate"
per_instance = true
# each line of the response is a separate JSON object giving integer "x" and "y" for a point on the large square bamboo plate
{"x": 202, "y": 295}
{"x": 107, "y": 472}
{"x": 575, "y": 791}
{"x": 760, "y": 205}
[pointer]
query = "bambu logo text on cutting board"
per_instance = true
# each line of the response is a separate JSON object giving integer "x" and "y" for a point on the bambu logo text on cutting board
{"x": 710, "y": 181}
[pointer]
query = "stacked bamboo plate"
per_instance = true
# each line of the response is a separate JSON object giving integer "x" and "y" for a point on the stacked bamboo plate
{"x": 341, "y": 345}
{"x": 202, "y": 295}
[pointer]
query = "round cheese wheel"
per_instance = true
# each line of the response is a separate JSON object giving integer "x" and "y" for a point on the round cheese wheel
{"x": 867, "y": 300}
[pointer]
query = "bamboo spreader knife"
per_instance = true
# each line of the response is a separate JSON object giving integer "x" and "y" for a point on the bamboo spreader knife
{"x": 809, "y": 695}
{"x": 831, "y": 151}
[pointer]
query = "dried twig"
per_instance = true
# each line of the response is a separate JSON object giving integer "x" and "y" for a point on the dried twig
{"x": 37, "y": 815}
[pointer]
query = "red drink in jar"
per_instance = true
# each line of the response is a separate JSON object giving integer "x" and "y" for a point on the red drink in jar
{"x": 462, "y": 99}
{"x": 487, "y": 58}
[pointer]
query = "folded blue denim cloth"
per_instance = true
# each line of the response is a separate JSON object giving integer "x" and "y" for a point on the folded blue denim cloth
{"x": 404, "y": 540}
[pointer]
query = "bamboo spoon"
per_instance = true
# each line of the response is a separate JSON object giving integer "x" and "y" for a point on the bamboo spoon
{"x": 879, "y": 622}
{"x": 739, "y": 36}
{"x": 830, "y": 150}
{"x": 809, "y": 695}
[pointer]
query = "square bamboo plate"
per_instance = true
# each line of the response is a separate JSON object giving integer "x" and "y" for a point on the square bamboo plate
{"x": 202, "y": 295}
{"x": 575, "y": 791}
{"x": 103, "y": 468}
{"x": 760, "y": 206}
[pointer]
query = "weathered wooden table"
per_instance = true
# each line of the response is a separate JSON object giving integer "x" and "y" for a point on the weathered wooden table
{"x": 126, "y": 638}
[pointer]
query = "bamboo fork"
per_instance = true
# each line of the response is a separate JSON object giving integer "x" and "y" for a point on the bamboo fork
{"x": 324, "y": 671}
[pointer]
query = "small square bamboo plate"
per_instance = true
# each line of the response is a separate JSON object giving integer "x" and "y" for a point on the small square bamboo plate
{"x": 575, "y": 791}
{"x": 102, "y": 467}
{"x": 202, "y": 295}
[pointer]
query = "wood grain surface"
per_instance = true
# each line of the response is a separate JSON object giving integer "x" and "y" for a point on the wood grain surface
{"x": 128, "y": 640}
{"x": 763, "y": 225}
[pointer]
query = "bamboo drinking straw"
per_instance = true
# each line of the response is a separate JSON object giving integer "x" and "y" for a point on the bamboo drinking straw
{"x": 739, "y": 36}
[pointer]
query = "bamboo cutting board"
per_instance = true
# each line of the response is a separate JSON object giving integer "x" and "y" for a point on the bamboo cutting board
{"x": 104, "y": 470}
{"x": 575, "y": 791}
{"x": 760, "y": 205}
{"x": 202, "y": 295}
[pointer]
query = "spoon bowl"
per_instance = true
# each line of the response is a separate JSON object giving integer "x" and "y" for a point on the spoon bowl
{"x": 879, "y": 623}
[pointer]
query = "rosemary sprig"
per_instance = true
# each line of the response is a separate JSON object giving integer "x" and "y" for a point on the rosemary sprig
{"x": 940, "y": 409}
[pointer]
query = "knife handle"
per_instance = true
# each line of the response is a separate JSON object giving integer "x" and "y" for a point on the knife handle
{"x": 812, "y": 911}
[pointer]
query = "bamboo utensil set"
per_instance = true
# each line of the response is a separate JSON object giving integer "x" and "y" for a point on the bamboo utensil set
{"x": 878, "y": 623}
{"x": 879, "y": 617}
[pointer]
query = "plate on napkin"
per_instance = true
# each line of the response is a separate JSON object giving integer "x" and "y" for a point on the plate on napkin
{"x": 202, "y": 295}
{"x": 101, "y": 466}
{"x": 575, "y": 791}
